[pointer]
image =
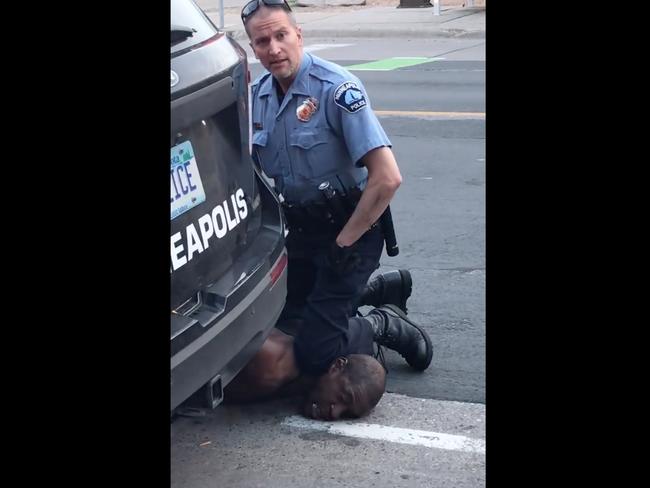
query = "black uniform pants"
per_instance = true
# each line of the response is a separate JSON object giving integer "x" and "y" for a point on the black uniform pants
{"x": 325, "y": 301}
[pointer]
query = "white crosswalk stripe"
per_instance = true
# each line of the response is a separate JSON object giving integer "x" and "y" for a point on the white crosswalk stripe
{"x": 362, "y": 430}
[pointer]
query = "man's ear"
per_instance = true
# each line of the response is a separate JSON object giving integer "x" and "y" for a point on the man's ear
{"x": 339, "y": 364}
{"x": 299, "y": 33}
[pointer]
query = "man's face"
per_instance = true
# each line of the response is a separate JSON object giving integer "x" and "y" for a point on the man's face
{"x": 332, "y": 398}
{"x": 276, "y": 42}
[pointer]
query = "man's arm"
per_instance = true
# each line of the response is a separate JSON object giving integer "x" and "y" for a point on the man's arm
{"x": 384, "y": 178}
{"x": 273, "y": 367}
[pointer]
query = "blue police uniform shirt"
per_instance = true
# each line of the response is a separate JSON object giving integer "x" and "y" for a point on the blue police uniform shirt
{"x": 318, "y": 132}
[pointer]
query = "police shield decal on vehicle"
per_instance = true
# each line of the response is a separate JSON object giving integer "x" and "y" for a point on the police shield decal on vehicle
{"x": 349, "y": 97}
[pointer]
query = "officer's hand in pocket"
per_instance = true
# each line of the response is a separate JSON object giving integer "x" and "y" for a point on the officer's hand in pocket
{"x": 344, "y": 260}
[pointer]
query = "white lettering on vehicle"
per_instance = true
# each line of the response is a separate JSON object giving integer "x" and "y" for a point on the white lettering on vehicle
{"x": 217, "y": 223}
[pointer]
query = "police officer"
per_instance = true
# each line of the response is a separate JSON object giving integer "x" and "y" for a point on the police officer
{"x": 313, "y": 128}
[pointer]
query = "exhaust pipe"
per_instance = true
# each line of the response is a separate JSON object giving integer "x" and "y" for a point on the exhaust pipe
{"x": 214, "y": 392}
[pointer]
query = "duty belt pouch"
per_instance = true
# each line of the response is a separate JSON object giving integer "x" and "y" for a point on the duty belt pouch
{"x": 294, "y": 216}
{"x": 312, "y": 219}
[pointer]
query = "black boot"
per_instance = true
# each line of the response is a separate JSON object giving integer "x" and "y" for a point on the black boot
{"x": 392, "y": 287}
{"x": 394, "y": 330}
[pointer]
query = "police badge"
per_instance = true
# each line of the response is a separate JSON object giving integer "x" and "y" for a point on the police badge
{"x": 306, "y": 109}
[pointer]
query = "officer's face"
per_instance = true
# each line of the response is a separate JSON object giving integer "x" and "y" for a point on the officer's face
{"x": 276, "y": 42}
{"x": 333, "y": 398}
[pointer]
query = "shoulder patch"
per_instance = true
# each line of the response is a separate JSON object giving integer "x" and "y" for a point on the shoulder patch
{"x": 349, "y": 97}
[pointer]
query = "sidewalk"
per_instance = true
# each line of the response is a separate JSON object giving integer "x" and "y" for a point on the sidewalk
{"x": 368, "y": 21}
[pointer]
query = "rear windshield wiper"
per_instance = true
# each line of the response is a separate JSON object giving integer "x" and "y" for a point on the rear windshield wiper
{"x": 180, "y": 33}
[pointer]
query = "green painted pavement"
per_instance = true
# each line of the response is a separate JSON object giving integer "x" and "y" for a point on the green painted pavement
{"x": 390, "y": 64}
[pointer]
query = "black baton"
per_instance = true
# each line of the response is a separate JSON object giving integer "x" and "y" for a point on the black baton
{"x": 340, "y": 216}
{"x": 386, "y": 221}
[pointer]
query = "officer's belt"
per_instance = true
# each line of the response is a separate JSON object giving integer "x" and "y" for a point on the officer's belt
{"x": 311, "y": 218}
{"x": 305, "y": 193}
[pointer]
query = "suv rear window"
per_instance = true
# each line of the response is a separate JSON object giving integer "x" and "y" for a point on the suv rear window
{"x": 185, "y": 14}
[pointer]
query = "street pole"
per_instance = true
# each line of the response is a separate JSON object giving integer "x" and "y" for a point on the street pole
{"x": 222, "y": 22}
{"x": 436, "y": 7}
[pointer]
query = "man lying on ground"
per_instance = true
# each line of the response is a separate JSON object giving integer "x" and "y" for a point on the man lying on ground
{"x": 350, "y": 388}
{"x": 353, "y": 384}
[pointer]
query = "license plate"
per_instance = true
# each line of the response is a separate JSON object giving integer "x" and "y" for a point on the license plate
{"x": 186, "y": 186}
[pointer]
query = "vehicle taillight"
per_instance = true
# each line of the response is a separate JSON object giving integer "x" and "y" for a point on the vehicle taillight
{"x": 208, "y": 41}
{"x": 277, "y": 270}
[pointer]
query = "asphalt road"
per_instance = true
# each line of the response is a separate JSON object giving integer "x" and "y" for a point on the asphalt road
{"x": 404, "y": 443}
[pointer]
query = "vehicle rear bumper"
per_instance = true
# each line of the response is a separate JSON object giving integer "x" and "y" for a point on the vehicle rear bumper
{"x": 229, "y": 344}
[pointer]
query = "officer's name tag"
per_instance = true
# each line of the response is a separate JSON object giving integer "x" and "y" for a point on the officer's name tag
{"x": 349, "y": 97}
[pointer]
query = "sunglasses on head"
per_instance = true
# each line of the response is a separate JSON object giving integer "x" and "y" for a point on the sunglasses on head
{"x": 253, "y": 5}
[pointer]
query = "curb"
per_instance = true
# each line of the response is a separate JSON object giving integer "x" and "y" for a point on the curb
{"x": 372, "y": 33}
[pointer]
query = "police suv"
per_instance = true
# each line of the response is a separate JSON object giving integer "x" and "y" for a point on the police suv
{"x": 228, "y": 260}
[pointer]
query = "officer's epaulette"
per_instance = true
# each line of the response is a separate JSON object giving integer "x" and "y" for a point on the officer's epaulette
{"x": 329, "y": 72}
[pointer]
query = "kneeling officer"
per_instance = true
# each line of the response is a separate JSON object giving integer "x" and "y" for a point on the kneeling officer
{"x": 312, "y": 123}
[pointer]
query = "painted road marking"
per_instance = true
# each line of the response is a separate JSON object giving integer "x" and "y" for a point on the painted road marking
{"x": 390, "y": 64}
{"x": 378, "y": 432}
{"x": 320, "y": 47}
{"x": 423, "y": 114}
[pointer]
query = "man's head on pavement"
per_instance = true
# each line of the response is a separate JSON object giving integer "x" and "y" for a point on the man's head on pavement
{"x": 275, "y": 38}
{"x": 351, "y": 388}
